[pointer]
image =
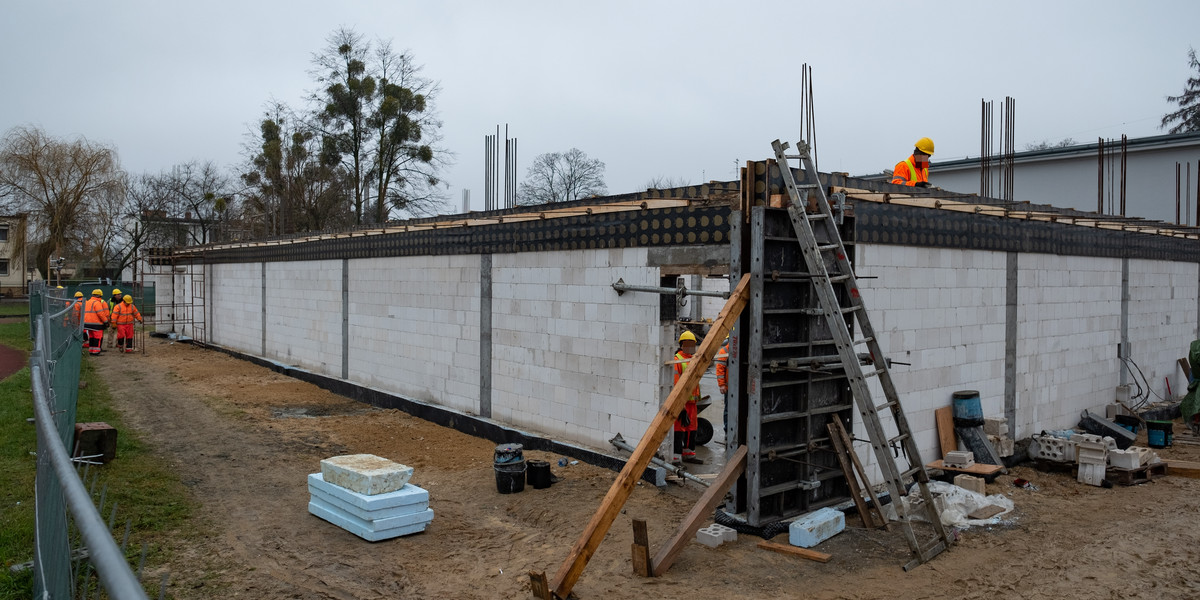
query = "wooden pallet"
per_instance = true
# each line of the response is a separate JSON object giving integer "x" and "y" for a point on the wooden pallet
{"x": 1135, "y": 476}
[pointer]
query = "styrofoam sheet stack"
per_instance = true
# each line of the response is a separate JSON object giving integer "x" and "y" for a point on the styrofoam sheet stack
{"x": 368, "y": 496}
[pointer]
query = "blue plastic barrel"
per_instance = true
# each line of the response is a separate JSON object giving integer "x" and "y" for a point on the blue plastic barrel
{"x": 968, "y": 410}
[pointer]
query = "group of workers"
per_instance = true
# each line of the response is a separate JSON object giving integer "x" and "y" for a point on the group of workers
{"x": 98, "y": 316}
{"x": 913, "y": 172}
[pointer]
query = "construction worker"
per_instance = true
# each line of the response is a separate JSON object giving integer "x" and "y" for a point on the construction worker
{"x": 72, "y": 317}
{"x": 95, "y": 319}
{"x": 722, "y": 369}
{"x": 914, "y": 170}
{"x": 687, "y": 423}
{"x": 115, "y": 300}
{"x": 123, "y": 316}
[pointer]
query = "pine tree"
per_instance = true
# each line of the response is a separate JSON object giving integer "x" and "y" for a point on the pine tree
{"x": 1188, "y": 115}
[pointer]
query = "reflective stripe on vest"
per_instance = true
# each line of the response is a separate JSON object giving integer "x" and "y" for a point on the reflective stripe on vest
{"x": 913, "y": 173}
{"x": 683, "y": 369}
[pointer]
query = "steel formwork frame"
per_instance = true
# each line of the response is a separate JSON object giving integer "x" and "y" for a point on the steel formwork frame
{"x": 184, "y": 312}
{"x": 783, "y": 398}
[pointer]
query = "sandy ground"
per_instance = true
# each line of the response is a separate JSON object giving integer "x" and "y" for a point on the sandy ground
{"x": 243, "y": 440}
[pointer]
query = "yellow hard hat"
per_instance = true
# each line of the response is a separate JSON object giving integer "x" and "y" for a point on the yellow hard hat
{"x": 128, "y": 299}
{"x": 97, "y": 292}
{"x": 925, "y": 145}
{"x": 116, "y": 292}
{"x": 687, "y": 336}
{"x": 58, "y": 287}
{"x": 78, "y": 294}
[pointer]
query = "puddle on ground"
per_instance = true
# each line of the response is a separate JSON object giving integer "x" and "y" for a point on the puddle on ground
{"x": 305, "y": 412}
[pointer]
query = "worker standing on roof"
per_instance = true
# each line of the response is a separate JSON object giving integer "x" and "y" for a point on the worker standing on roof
{"x": 95, "y": 319}
{"x": 123, "y": 316}
{"x": 687, "y": 423}
{"x": 914, "y": 170}
{"x": 722, "y": 369}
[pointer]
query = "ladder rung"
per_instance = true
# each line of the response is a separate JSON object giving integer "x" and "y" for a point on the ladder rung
{"x": 865, "y": 340}
{"x": 888, "y": 405}
{"x": 899, "y": 438}
{"x": 828, "y": 247}
{"x": 910, "y": 473}
{"x": 849, "y": 309}
{"x": 838, "y": 278}
{"x": 870, "y": 374}
{"x": 817, "y": 216}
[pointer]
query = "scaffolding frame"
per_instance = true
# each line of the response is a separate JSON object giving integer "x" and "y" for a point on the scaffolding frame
{"x": 182, "y": 310}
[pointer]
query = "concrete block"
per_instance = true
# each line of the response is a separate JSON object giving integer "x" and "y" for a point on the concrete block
{"x": 960, "y": 459}
{"x": 816, "y": 527}
{"x": 1125, "y": 459}
{"x": 728, "y": 534}
{"x": 365, "y": 473}
{"x": 1091, "y": 454}
{"x": 1004, "y": 446}
{"x": 1091, "y": 474}
{"x": 710, "y": 537}
{"x": 997, "y": 426}
{"x": 1048, "y": 447}
{"x": 971, "y": 482}
{"x": 372, "y": 531}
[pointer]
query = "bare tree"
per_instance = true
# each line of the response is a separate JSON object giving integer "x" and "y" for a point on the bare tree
{"x": 562, "y": 176}
{"x": 1048, "y": 145}
{"x": 1188, "y": 115}
{"x": 55, "y": 181}
{"x": 199, "y": 196}
{"x": 665, "y": 183}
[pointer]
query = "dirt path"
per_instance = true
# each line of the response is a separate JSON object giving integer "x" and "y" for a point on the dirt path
{"x": 11, "y": 361}
{"x": 243, "y": 439}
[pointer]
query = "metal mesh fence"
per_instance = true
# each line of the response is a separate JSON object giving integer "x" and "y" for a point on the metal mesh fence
{"x": 59, "y": 493}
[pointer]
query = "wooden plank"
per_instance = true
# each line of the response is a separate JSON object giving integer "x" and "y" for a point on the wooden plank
{"x": 700, "y": 512}
{"x": 793, "y": 550}
{"x": 1186, "y": 365}
{"x": 985, "y": 512}
{"x": 975, "y": 469}
{"x": 840, "y": 450}
{"x": 1183, "y": 468}
{"x": 945, "y": 429}
{"x": 641, "y": 549}
{"x": 610, "y": 507}
{"x": 539, "y": 586}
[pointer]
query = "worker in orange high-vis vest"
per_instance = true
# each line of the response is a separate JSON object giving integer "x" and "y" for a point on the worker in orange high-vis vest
{"x": 914, "y": 170}
{"x": 95, "y": 319}
{"x": 123, "y": 316}
{"x": 687, "y": 423}
{"x": 722, "y": 368}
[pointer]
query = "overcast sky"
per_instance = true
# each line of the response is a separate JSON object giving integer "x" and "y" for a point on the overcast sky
{"x": 674, "y": 89}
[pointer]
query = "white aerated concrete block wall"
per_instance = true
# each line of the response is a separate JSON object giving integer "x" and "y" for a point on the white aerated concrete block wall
{"x": 1068, "y": 327}
{"x": 414, "y": 327}
{"x": 943, "y": 311}
{"x": 304, "y": 314}
{"x": 571, "y": 358}
{"x": 1162, "y": 320}
{"x": 237, "y": 290}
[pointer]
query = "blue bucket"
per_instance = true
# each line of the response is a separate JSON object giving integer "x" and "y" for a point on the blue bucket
{"x": 1160, "y": 434}
{"x": 968, "y": 410}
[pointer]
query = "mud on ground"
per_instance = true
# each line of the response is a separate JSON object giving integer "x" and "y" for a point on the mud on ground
{"x": 243, "y": 439}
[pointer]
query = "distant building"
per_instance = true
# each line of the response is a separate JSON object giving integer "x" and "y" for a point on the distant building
{"x": 12, "y": 255}
{"x": 1071, "y": 177}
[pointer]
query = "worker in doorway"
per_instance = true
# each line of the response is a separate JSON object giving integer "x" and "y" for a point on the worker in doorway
{"x": 914, "y": 170}
{"x": 123, "y": 316}
{"x": 722, "y": 369}
{"x": 95, "y": 319}
{"x": 687, "y": 423}
{"x": 113, "y": 302}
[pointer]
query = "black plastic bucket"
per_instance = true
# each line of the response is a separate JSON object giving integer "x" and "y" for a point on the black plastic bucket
{"x": 509, "y": 453}
{"x": 510, "y": 477}
{"x": 538, "y": 474}
{"x": 968, "y": 411}
{"x": 1160, "y": 434}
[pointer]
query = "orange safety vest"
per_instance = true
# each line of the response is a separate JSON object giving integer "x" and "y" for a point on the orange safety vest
{"x": 125, "y": 314}
{"x": 904, "y": 172}
{"x": 680, "y": 368}
{"x": 722, "y": 361}
{"x": 95, "y": 311}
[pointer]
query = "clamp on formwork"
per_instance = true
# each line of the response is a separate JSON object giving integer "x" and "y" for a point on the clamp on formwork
{"x": 680, "y": 292}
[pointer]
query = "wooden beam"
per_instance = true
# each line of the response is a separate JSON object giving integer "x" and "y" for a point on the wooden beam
{"x": 610, "y": 507}
{"x": 945, "y": 429}
{"x": 700, "y": 512}
{"x": 801, "y": 552}
{"x": 1183, "y": 468}
{"x": 539, "y": 586}
{"x": 641, "y": 549}
{"x": 1186, "y": 365}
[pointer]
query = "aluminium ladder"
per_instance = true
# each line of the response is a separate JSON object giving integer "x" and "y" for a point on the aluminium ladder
{"x": 815, "y": 255}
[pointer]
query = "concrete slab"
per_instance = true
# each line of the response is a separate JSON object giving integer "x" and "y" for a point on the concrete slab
{"x": 365, "y": 473}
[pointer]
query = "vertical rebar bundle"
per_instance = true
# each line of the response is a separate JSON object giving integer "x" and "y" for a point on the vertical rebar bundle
{"x": 493, "y": 195}
{"x": 985, "y": 149}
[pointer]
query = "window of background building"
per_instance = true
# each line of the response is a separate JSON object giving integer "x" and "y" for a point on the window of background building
{"x": 3, "y": 266}
{"x": 3, "y": 233}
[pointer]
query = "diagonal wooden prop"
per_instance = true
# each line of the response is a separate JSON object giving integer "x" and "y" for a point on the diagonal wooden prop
{"x": 611, "y": 506}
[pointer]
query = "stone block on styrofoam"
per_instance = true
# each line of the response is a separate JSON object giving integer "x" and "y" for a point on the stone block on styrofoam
{"x": 816, "y": 527}
{"x": 365, "y": 473}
